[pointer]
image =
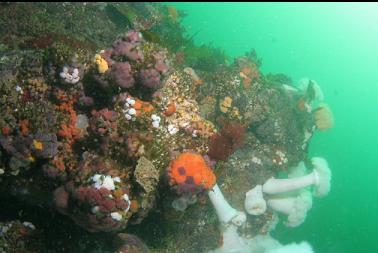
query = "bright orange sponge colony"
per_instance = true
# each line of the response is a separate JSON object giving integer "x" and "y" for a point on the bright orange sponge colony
{"x": 191, "y": 168}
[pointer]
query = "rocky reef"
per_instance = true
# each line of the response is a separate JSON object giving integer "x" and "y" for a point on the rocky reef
{"x": 116, "y": 134}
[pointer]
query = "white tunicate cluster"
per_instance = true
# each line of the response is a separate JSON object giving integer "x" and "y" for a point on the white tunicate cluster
{"x": 256, "y": 160}
{"x": 105, "y": 181}
{"x": 281, "y": 158}
{"x": 116, "y": 216}
{"x": 4, "y": 229}
{"x": 68, "y": 77}
{"x": 128, "y": 109}
{"x": 127, "y": 199}
{"x": 155, "y": 121}
{"x": 19, "y": 89}
{"x": 28, "y": 225}
{"x": 172, "y": 129}
{"x": 194, "y": 133}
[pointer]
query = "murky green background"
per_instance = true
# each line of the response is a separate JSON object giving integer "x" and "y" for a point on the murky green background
{"x": 337, "y": 45}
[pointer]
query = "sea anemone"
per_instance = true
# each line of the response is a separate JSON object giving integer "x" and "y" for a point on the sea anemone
{"x": 295, "y": 207}
{"x": 225, "y": 212}
{"x": 254, "y": 202}
{"x": 323, "y": 117}
{"x": 320, "y": 178}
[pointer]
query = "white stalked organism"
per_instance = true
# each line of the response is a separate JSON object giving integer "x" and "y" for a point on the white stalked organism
{"x": 224, "y": 211}
{"x": 320, "y": 178}
{"x": 295, "y": 207}
{"x": 254, "y": 202}
{"x": 323, "y": 173}
{"x": 232, "y": 242}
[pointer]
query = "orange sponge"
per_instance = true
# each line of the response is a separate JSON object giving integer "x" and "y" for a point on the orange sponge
{"x": 191, "y": 168}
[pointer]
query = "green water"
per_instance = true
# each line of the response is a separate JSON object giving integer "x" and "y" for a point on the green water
{"x": 336, "y": 45}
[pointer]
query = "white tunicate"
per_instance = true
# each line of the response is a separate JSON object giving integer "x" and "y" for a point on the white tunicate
{"x": 5, "y": 229}
{"x": 108, "y": 183}
{"x": 75, "y": 72}
{"x": 116, "y": 216}
{"x": 28, "y": 225}
{"x": 75, "y": 80}
{"x": 132, "y": 111}
{"x": 194, "y": 134}
{"x": 155, "y": 124}
{"x": 19, "y": 89}
{"x": 95, "y": 209}
{"x": 128, "y": 116}
{"x": 154, "y": 117}
{"x": 96, "y": 177}
{"x": 131, "y": 102}
{"x": 117, "y": 180}
{"x": 172, "y": 129}
{"x": 103, "y": 181}
{"x": 70, "y": 78}
{"x": 127, "y": 199}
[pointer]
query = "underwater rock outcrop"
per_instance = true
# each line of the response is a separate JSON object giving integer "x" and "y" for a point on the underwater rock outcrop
{"x": 131, "y": 134}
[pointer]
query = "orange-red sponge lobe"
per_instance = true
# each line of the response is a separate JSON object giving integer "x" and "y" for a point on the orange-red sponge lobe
{"x": 191, "y": 168}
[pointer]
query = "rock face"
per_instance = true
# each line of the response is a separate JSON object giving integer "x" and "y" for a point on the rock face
{"x": 91, "y": 123}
